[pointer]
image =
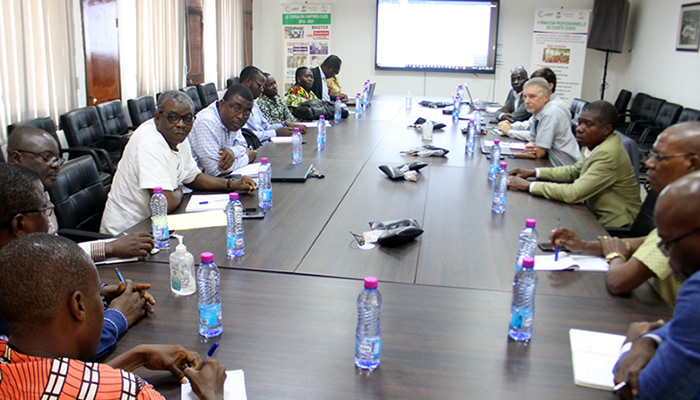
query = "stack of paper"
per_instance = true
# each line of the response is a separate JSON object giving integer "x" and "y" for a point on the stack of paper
{"x": 593, "y": 356}
{"x": 573, "y": 262}
{"x": 511, "y": 145}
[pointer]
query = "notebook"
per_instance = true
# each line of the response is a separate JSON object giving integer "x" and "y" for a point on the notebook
{"x": 291, "y": 172}
{"x": 593, "y": 357}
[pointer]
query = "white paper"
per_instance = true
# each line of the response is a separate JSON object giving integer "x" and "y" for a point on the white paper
{"x": 281, "y": 139}
{"x": 248, "y": 170}
{"x": 566, "y": 261}
{"x": 313, "y": 124}
{"x": 112, "y": 260}
{"x": 593, "y": 357}
{"x": 207, "y": 202}
{"x": 511, "y": 145}
{"x": 234, "y": 387}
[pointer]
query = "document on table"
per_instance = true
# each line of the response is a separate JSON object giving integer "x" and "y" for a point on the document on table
{"x": 234, "y": 387}
{"x": 511, "y": 145}
{"x": 593, "y": 357}
{"x": 314, "y": 124}
{"x": 196, "y": 220}
{"x": 572, "y": 262}
{"x": 207, "y": 202}
{"x": 249, "y": 170}
{"x": 281, "y": 139}
{"x": 112, "y": 260}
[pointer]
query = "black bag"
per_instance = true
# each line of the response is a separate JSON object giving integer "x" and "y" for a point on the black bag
{"x": 251, "y": 138}
{"x": 397, "y": 232}
{"x": 311, "y": 110}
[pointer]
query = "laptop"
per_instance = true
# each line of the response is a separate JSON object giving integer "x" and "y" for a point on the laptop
{"x": 291, "y": 172}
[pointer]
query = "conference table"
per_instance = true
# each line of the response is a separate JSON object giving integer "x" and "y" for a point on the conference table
{"x": 289, "y": 303}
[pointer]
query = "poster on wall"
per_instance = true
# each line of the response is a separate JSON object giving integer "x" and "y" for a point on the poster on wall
{"x": 559, "y": 43}
{"x": 307, "y": 38}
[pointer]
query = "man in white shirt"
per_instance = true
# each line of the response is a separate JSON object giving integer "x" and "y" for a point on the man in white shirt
{"x": 158, "y": 155}
{"x": 218, "y": 146}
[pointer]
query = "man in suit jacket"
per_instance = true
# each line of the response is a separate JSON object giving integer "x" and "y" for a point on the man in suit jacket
{"x": 328, "y": 69}
{"x": 514, "y": 107}
{"x": 603, "y": 178}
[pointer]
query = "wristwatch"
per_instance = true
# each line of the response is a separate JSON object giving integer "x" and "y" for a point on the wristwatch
{"x": 228, "y": 183}
{"x": 613, "y": 255}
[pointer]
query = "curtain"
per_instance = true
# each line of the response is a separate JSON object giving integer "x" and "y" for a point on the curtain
{"x": 161, "y": 57}
{"x": 230, "y": 46}
{"x": 38, "y": 71}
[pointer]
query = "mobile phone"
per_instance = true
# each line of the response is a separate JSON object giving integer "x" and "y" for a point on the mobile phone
{"x": 253, "y": 214}
{"x": 545, "y": 246}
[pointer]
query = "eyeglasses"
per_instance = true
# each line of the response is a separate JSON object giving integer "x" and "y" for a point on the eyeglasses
{"x": 665, "y": 245}
{"x": 261, "y": 86}
{"x": 237, "y": 111}
{"x": 47, "y": 210}
{"x": 661, "y": 157}
{"x": 48, "y": 157}
{"x": 174, "y": 118}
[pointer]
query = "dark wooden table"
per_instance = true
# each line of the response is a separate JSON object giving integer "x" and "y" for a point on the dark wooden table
{"x": 293, "y": 335}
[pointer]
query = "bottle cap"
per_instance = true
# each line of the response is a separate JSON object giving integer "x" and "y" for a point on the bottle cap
{"x": 157, "y": 189}
{"x": 263, "y": 160}
{"x": 233, "y": 196}
{"x": 321, "y": 117}
{"x": 504, "y": 165}
{"x": 528, "y": 262}
{"x": 296, "y": 130}
{"x": 207, "y": 257}
{"x": 530, "y": 222}
{"x": 371, "y": 282}
{"x": 497, "y": 141}
{"x": 358, "y": 94}
{"x": 337, "y": 98}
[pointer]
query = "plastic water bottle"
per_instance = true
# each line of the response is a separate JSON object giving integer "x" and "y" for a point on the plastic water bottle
{"x": 358, "y": 106}
{"x": 522, "y": 311}
{"x": 210, "y": 321}
{"x": 471, "y": 138}
{"x": 365, "y": 95}
{"x": 495, "y": 159}
{"x": 409, "y": 101}
{"x": 297, "y": 152}
{"x": 368, "y": 336}
{"x": 460, "y": 92}
{"x": 338, "y": 112}
{"x": 528, "y": 243}
{"x": 159, "y": 224}
{"x": 182, "y": 270}
{"x": 321, "y": 133}
{"x": 235, "y": 246}
{"x": 478, "y": 121}
{"x": 264, "y": 184}
{"x": 427, "y": 131}
{"x": 455, "y": 108}
{"x": 500, "y": 190}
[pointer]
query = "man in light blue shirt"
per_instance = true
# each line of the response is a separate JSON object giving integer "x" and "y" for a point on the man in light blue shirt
{"x": 218, "y": 146}
{"x": 254, "y": 79}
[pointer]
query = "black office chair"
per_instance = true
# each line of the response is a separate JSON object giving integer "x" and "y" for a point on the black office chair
{"x": 141, "y": 109}
{"x": 632, "y": 149}
{"x": 623, "y": 99}
{"x": 47, "y": 124}
{"x": 194, "y": 95}
{"x": 114, "y": 122}
{"x": 83, "y": 129}
{"x": 207, "y": 93}
{"x": 668, "y": 115}
{"x": 647, "y": 114}
{"x": 689, "y": 114}
{"x": 232, "y": 81}
{"x": 643, "y": 223}
{"x": 632, "y": 114}
{"x": 576, "y": 107}
{"x": 79, "y": 200}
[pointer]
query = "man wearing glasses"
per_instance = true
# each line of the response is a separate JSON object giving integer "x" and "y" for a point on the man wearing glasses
{"x": 218, "y": 146}
{"x": 159, "y": 155}
{"x": 633, "y": 261}
{"x": 662, "y": 360}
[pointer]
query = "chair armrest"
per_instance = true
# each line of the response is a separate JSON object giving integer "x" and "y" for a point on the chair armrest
{"x": 652, "y": 130}
{"x": 78, "y": 235}
{"x": 102, "y": 153}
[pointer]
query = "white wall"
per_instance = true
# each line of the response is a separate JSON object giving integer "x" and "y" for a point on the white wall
{"x": 357, "y": 50}
{"x": 652, "y": 66}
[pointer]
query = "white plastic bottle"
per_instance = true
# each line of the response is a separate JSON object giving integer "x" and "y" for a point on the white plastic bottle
{"x": 358, "y": 106}
{"x": 264, "y": 184}
{"x": 235, "y": 246}
{"x": 338, "y": 111}
{"x": 159, "y": 215}
{"x": 427, "y": 131}
{"x": 182, "y": 275}
{"x": 368, "y": 335}
{"x": 297, "y": 152}
{"x": 409, "y": 101}
{"x": 321, "y": 133}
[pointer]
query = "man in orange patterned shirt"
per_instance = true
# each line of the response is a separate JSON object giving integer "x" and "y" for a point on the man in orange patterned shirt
{"x": 52, "y": 306}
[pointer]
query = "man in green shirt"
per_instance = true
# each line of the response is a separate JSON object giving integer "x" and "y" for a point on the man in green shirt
{"x": 271, "y": 105}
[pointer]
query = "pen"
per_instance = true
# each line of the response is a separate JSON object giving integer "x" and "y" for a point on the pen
{"x": 556, "y": 249}
{"x": 120, "y": 276}
{"x": 619, "y": 386}
{"x": 210, "y": 353}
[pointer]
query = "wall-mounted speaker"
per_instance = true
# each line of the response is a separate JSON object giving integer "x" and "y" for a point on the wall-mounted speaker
{"x": 608, "y": 24}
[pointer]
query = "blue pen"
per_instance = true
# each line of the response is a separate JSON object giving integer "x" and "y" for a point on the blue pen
{"x": 210, "y": 353}
{"x": 120, "y": 276}
{"x": 556, "y": 249}
{"x": 203, "y": 202}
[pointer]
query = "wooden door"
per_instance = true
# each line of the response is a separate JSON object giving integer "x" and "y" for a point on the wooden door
{"x": 101, "y": 44}
{"x": 195, "y": 32}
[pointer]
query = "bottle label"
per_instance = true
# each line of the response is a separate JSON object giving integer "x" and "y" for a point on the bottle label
{"x": 160, "y": 232}
{"x": 493, "y": 169}
{"x": 175, "y": 280}
{"x": 230, "y": 241}
{"x": 367, "y": 348}
{"x": 209, "y": 314}
{"x": 521, "y": 318}
{"x": 266, "y": 194}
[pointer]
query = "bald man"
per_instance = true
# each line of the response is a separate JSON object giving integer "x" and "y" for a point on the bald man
{"x": 662, "y": 360}
{"x": 52, "y": 306}
{"x": 37, "y": 150}
{"x": 633, "y": 261}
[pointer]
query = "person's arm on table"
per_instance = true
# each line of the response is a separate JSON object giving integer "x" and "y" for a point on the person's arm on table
{"x": 291, "y": 124}
{"x": 633, "y": 360}
{"x": 208, "y": 183}
{"x": 626, "y": 273}
{"x": 570, "y": 241}
{"x": 128, "y": 246}
{"x": 208, "y": 382}
{"x": 173, "y": 358}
